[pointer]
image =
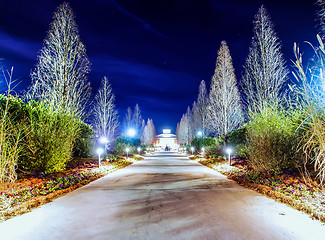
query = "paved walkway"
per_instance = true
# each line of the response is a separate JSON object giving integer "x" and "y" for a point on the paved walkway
{"x": 163, "y": 197}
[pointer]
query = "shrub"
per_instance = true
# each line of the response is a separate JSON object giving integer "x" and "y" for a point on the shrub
{"x": 237, "y": 139}
{"x": 271, "y": 140}
{"x": 49, "y": 137}
{"x": 84, "y": 141}
{"x": 122, "y": 142}
{"x": 310, "y": 95}
{"x": 207, "y": 143}
{"x": 10, "y": 138}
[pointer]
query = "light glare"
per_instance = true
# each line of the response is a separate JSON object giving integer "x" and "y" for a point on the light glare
{"x": 131, "y": 132}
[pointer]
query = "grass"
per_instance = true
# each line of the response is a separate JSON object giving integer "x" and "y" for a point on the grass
{"x": 286, "y": 188}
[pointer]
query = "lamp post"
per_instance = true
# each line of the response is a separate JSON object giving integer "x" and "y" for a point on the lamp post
{"x": 127, "y": 152}
{"x": 192, "y": 149}
{"x": 139, "y": 149}
{"x": 203, "y": 151}
{"x": 99, "y": 152}
{"x": 229, "y": 150}
{"x": 104, "y": 140}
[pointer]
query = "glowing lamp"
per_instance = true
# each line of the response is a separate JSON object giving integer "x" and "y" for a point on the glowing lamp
{"x": 229, "y": 151}
{"x": 131, "y": 132}
{"x": 99, "y": 151}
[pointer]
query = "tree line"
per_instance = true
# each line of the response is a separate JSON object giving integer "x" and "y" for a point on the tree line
{"x": 273, "y": 118}
{"x": 47, "y": 126}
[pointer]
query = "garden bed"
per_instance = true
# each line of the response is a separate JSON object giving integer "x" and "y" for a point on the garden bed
{"x": 32, "y": 190}
{"x": 290, "y": 189}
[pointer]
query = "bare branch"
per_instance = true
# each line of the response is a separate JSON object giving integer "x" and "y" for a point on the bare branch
{"x": 264, "y": 71}
{"x": 60, "y": 74}
{"x": 105, "y": 113}
{"x": 224, "y": 111}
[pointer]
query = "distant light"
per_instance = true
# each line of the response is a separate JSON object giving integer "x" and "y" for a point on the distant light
{"x": 192, "y": 149}
{"x": 199, "y": 133}
{"x": 100, "y": 151}
{"x": 103, "y": 140}
{"x": 166, "y": 131}
{"x": 229, "y": 150}
{"x": 131, "y": 132}
{"x": 127, "y": 152}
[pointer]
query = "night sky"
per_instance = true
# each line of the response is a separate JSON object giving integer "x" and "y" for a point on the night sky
{"x": 154, "y": 52}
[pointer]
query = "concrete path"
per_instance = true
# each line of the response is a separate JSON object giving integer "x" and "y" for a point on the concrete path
{"x": 163, "y": 197}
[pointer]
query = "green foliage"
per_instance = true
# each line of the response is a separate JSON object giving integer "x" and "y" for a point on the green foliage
{"x": 49, "y": 137}
{"x": 211, "y": 145}
{"x": 271, "y": 141}
{"x": 237, "y": 140}
{"x": 83, "y": 145}
{"x": 113, "y": 158}
{"x": 237, "y": 136}
{"x": 14, "y": 106}
{"x": 207, "y": 142}
{"x": 10, "y": 138}
{"x": 122, "y": 142}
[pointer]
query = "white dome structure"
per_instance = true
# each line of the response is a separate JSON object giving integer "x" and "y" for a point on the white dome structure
{"x": 166, "y": 140}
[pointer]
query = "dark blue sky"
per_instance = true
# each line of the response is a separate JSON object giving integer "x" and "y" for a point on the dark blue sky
{"x": 155, "y": 53}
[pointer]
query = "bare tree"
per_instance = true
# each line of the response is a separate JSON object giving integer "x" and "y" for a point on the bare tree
{"x": 60, "y": 74}
{"x": 185, "y": 128}
{"x": 321, "y": 17}
{"x": 225, "y": 113}
{"x": 148, "y": 135}
{"x": 199, "y": 110}
{"x": 105, "y": 113}
{"x": 137, "y": 118}
{"x": 133, "y": 119}
{"x": 128, "y": 118}
{"x": 264, "y": 70}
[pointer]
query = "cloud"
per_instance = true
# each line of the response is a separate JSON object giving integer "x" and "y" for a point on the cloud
{"x": 17, "y": 46}
{"x": 145, "y": 24}
{"x": 142, "y": 76}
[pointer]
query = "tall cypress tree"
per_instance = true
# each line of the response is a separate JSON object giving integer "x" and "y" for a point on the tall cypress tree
{"x": 264, "y": 71}
{"x": 60, "y": 74}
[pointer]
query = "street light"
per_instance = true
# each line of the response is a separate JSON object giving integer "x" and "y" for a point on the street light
{"x": 200, "y": 133}
{"x": 127, "y": 152}
{"x": 229, "y": 150}
{"x": 131, "y": 132}
{"x": 99, "y": 152}
{"x": 139, "y": 149}
{"x": 104, "y": 140}
{"x": 192, "y": 149}
{"x": 203, "y": 151}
